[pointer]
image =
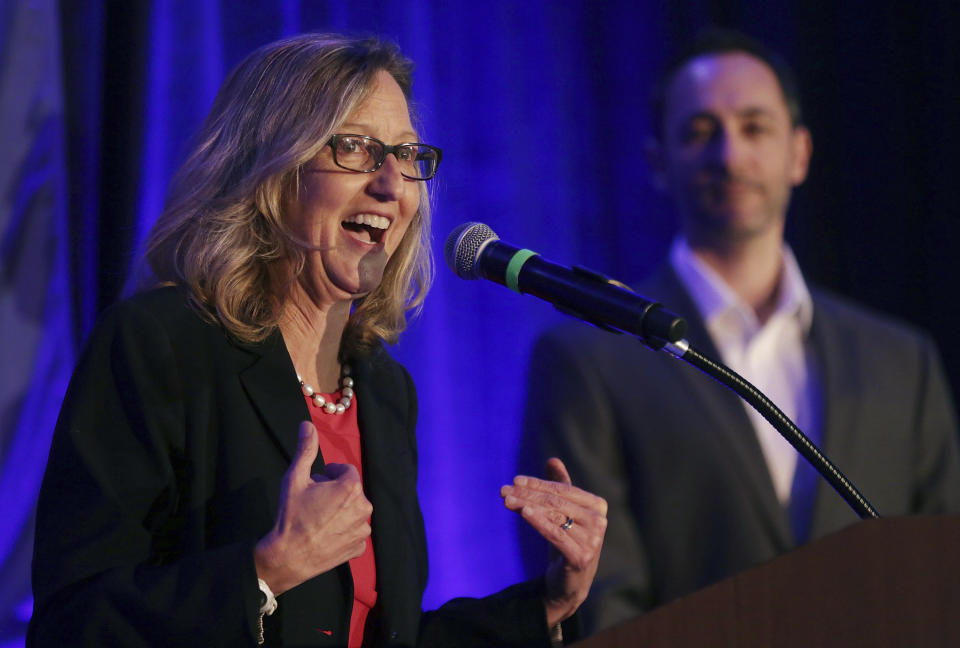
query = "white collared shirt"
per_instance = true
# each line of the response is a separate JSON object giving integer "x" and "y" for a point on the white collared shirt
{"x": 772, "y": 356}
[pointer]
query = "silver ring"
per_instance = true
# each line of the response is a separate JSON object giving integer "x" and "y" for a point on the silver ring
{"x": 566, "y": 525}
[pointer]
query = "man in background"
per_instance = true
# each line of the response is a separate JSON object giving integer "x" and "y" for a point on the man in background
{"x": 699, "y": 485}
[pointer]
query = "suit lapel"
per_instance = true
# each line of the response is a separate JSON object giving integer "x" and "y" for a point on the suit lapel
{"x": 731, "y": 429}
{"x": 839, "y": 381}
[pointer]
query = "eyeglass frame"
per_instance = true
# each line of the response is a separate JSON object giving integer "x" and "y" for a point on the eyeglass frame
{"x": 387, "y": 150}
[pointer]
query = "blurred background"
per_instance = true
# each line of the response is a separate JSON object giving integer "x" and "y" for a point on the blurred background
{"x": 541, "y": 109}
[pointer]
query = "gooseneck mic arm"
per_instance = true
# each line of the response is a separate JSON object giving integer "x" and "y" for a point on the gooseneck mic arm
{"x": 474, "y": 251}
{"x": 780, "y": 421}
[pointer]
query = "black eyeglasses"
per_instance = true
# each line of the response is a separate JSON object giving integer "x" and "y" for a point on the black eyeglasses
{"x": 366, "y": 155}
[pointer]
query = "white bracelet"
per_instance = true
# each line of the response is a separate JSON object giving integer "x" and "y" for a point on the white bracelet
{"x": 268, "y": 603}
{"x": 556, "y": 636}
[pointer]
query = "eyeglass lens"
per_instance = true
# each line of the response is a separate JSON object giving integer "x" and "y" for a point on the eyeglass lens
{"x": 360, "y": 153}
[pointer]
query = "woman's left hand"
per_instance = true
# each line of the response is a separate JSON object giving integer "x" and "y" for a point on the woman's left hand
{"x": 573, "y": 521}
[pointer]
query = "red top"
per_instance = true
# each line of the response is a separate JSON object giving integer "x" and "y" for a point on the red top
{"x": 339, "y": 437}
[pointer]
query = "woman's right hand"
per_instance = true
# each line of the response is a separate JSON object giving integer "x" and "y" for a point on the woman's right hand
{"x": 322, "y": 522}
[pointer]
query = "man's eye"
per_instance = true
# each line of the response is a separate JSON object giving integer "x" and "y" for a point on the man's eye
{"x": 407, "y": 154}
{"x": 698, "y": 133}
{"x": 753, "y": 129}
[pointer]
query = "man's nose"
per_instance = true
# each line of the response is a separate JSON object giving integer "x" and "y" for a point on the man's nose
{"x": 727, "y": 149}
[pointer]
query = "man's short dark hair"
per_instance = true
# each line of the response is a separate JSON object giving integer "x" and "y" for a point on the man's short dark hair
{"x": 726, "y": 41}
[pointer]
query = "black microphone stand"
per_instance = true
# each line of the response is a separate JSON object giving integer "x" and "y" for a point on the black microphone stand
{"x": 780, "y": 421}
{"x": 662, "y": 330}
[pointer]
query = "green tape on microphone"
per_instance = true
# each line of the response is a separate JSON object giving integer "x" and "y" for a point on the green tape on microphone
{"x": 514, "y": 267}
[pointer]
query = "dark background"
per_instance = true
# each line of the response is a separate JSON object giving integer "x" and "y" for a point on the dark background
{"x": 100, "y": 99}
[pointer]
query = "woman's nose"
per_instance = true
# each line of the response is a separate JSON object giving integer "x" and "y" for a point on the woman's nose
{"x": 386, "y": 182}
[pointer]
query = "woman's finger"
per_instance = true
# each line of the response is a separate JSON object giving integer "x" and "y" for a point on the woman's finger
{"x": 550, "y": 493}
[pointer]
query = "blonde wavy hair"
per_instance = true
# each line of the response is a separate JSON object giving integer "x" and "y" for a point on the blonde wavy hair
{"x": 221, "y": 234}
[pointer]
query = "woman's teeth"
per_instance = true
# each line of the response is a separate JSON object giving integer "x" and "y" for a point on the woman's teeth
{"x": 372, "y": 220}
{"x": 367, "y": 227}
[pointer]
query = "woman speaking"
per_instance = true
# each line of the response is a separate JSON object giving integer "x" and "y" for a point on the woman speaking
{"x": 235, "y": 462}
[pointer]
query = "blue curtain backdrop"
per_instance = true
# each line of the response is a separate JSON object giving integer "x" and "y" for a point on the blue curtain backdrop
{"x": 541, "y": 109}
{"x": 35, "y": 306}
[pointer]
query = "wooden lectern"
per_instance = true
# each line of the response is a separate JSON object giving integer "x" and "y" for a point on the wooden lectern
{"x": 888, "y": 583}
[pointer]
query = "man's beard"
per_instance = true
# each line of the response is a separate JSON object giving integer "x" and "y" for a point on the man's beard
{"x": 721, "y": 215}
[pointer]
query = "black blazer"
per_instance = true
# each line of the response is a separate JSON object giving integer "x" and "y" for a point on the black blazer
{"x": 674, "y": 453}
{"x": 165, "y": 469}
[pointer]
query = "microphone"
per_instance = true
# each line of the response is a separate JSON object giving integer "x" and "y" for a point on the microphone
{"x": 474, "y": 251}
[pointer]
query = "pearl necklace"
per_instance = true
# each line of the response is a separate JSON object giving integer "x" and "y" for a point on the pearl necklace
{"x": 331, "y": 407}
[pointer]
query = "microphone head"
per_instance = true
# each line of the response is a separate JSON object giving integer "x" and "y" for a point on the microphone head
{"x": 463, "y": 247}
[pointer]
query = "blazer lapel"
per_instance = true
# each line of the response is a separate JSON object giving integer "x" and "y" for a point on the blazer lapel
{"x": 389, "y": 468}
{"x": 733, "y": 437}
{"x": 271, "y": 384}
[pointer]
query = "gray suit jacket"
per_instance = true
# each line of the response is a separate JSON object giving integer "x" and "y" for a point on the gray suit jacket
{"x": 673, "y": 452}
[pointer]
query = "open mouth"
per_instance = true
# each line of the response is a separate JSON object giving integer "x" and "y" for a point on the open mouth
{"x": 368, "y": 228}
